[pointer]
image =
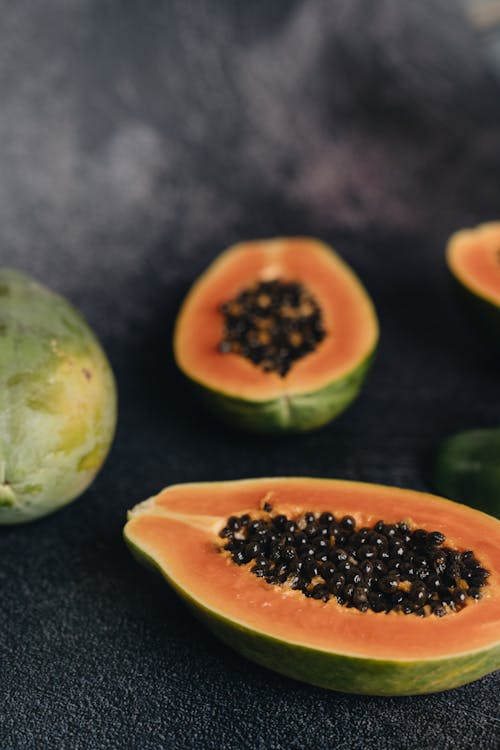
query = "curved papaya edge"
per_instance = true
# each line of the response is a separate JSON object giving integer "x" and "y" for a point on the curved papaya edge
{"x": 58, "y": 400}
{"x": 298, "y": 412}
{"x": 320, "y": 385}
{"x": 328, "y": 668}
{"x": 473, "y": 260}
{"x": 339, "y": 672}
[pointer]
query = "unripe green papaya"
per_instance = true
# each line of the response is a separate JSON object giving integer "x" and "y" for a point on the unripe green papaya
{"x": 57, "y": 400}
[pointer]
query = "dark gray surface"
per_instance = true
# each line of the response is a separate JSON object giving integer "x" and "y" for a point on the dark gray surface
{"x": 136, "y": 141}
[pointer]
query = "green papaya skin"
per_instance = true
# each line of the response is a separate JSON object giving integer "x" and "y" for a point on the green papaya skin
{"x": 341, "y": 672}
{"x": 467, "y": 469}
{"x": 58, "y": 402}
{"x": 294, "y": 414}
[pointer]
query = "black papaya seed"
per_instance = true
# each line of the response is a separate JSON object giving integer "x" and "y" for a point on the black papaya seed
{"x": 382, "y": 568}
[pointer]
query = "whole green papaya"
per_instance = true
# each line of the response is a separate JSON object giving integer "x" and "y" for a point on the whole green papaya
{"x": 58, "y": 400}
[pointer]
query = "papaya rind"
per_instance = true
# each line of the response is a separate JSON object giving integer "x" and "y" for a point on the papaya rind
{"x": 298, "y": 412}
{"x": 467, "y": 469}
{"x": 58, "y": 402}
{"x": 330, "y": 670}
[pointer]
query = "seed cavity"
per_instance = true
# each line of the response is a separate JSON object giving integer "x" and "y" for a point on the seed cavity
{"x": 382, "y": 568}
{"x": 273, "y": 324}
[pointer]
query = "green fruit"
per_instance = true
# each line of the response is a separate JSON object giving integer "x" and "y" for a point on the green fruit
{"x": 57, "y": 401}
{"x": 467, "y": 468}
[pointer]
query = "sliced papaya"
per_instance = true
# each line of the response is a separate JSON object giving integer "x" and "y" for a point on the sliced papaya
{"x": 467, "y": 469}
{"x": 350, "y": 586}
{"x": 277, "y": 335}
{"x": 473, "y": 257}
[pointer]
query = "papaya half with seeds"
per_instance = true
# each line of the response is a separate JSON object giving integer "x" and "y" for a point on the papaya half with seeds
{"x": 57, "y": 400}
{"x": 277, "y": 335}
{"x": 294, "y": 573}
{"x": 473, "y": 258}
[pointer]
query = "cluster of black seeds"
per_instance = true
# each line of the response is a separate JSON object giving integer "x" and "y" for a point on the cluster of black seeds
{"x": 387, "y": 567}
{"x": 273, "y": 324}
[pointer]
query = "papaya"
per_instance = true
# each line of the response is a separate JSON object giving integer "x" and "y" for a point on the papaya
{"x": 467, "y": 469}
{"x": 473, "y": 259}
{"x": 57, "y": 400}
{"x": 466, "y": 465}
{"x": 276, "y": 335}
{"x": 350, "y": 586}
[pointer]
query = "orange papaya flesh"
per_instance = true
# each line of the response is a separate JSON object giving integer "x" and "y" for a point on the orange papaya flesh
{"x": 323, "y": 643}
{"x": 473, "y": 258}
{"x": 319, "y": 385}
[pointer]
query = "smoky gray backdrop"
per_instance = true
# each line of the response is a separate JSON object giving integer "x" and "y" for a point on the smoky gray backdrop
{"x": 137, "y": 140}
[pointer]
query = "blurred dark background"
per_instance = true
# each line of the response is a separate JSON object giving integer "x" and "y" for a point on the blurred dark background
{"x": 137, "y": 140}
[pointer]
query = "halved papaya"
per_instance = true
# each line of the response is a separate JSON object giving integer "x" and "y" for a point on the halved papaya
{"x": 277, "y": 335}
{"x": 332, "y": 641}
{"x": 473, "y": 258}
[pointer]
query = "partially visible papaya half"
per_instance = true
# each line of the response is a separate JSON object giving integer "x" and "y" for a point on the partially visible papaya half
{"x": 277, "y": 335}
{"x": 473, "y": 258}
{"x": 350, "y": 586}
{"x": 467, "y": 469}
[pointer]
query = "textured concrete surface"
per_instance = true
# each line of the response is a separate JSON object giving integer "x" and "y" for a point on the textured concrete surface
{"x": 136, "y": 141}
